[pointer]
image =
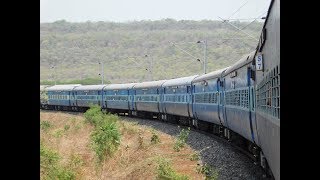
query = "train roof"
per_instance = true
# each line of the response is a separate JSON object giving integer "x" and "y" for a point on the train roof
{"x": 90, "y": 87}
{"x": 243, "y": 61}
{"x": 119, "y": 86}
{"x": 65, "y": 87}
{"x": 211, "y": 75}
{"x": 149, "y": 84}
{"x": 179, "y": 81}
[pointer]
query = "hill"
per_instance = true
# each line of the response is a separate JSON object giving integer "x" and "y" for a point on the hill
{"x": 127, "y": 49}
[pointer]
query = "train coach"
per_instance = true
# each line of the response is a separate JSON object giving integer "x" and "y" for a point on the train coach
{"x": 118, "y": 98}
{"x": 147, "y": 99}
{"x": 176, "y": 100}
{"x": 82, "y": 97}
{"x": 59, "y": 96}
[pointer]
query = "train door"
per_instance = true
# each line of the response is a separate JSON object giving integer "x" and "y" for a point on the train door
{"x": 98, "y": 98}
{"x": 73, "y": 98}
{"x": 222, "y": 110}
{"x": 189, "y": 101}
{"x": 252, "y": 114}
{"x": 193, "y": 91}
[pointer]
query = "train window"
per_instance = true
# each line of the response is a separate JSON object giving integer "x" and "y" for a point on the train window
{"x": 268, "y": 93}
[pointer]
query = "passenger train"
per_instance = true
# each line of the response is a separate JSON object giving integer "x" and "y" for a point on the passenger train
{"x": 240, "y": 103}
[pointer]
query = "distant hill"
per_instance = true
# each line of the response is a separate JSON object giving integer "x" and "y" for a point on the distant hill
{"x": 75, "y": 49}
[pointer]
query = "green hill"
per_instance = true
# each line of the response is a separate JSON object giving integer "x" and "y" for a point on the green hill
{"x": 75, "y": 49}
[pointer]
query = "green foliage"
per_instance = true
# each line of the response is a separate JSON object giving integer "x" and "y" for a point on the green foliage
{"x": 181, "y": 140}
{"x": 211, "y": 174}
{"x": 105, "y": 138}
{"x": 194, "y": 156}
{"x": 58, "y": 133}
{"x": 93, "y": 115}
{"x": 45, "y": 125}
{"x": 75, "y": 161}
{"x": 66, "y": 127}
{"x": 155, "y": 138}
{"x": 75, "y": 48}
{"x": 165, "y": 171}
{"x": 50, "y": 167}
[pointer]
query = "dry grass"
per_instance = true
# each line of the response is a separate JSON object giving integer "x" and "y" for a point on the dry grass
{"x": 131, "y": 161}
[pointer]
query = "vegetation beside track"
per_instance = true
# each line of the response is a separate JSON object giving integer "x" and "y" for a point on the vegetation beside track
{"x": 104, "y": 146}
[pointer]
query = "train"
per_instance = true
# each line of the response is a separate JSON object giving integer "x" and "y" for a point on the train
{"x": 240, "y": 103}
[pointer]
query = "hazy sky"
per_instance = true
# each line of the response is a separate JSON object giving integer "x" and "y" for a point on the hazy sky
{"x": 130, "y": 10}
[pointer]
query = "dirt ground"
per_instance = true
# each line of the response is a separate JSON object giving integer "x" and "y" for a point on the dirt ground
{"x": 133, "y": 159}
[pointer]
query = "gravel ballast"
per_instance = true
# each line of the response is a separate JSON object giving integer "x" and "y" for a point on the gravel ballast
{"x": 228, "y": 161}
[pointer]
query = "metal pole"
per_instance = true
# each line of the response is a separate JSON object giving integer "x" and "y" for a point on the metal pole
{"x": 54, "y": 75}
{"x": 151, "y": 69}
{"x": 205, "y": 57}
{"x": 102, "y": 72}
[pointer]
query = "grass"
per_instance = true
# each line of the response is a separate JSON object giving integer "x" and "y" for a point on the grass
{"x": 77, "y": 159}
{"x": 165, "y": 171}
{"x": 66, "y": 127}
{"x": 50, "y": 168}
{"x": 45, "y": 125}
{"x": 105, "y": 138}
{"x": 154, "y": 138}
{"x": 58, "y": 133}
{"x": 209, "y": 172}
{"x": 181, "y": 140}
{"x": 194, "y": 156}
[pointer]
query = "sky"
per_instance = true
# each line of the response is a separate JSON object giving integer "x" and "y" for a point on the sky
{"x": 136, "y": 10}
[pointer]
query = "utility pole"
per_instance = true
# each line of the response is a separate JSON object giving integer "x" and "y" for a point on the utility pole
{"x": 102, "y": 72}
{"x": 150, "y": 68}
{"x": 204, "y": 56}
{"x": 54, "y": 75}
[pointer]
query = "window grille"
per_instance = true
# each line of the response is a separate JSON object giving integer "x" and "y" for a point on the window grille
{"x": 268, "y": 93}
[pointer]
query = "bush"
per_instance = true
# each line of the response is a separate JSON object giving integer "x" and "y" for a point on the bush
{"x": 50, "y": 167}
{"x": 194, "y": 156}
{"x": 66, "y": 127}
{"x": 93, "y": 115}
{"x": 165, "y": 171}
{"x": 105, "y": 139}
{"x": 154, "y": 138}
{"x": 45, "y": 125}
{"x": 181, "y": 140}
{"x": 211, "y": 174}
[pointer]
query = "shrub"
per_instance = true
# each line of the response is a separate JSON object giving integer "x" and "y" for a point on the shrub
{"x": 58, "y": 133}
{"x": 66, "y": 127}
{"x": 194, "y": 156}
{"x": 165, "y": 171}
{"x": 105, "y": 140}
{"x": 211, "y": 174}
{"x": 93, "y": 115}
{"x": 154, "y": 138}
{"x": 45, "y": 125}
{"x": 50, "y": 167}
{"x": 181, "y": 140}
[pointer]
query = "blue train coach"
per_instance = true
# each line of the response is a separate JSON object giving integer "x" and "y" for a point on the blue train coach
{"x": 118, "y": 98}
{"x": 177, "y": 101}
{"x": 59, "y": 96}
{"x": 83, "y": 97}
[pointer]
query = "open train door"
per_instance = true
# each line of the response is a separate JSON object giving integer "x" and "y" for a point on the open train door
{"x": 221, "y": 101}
